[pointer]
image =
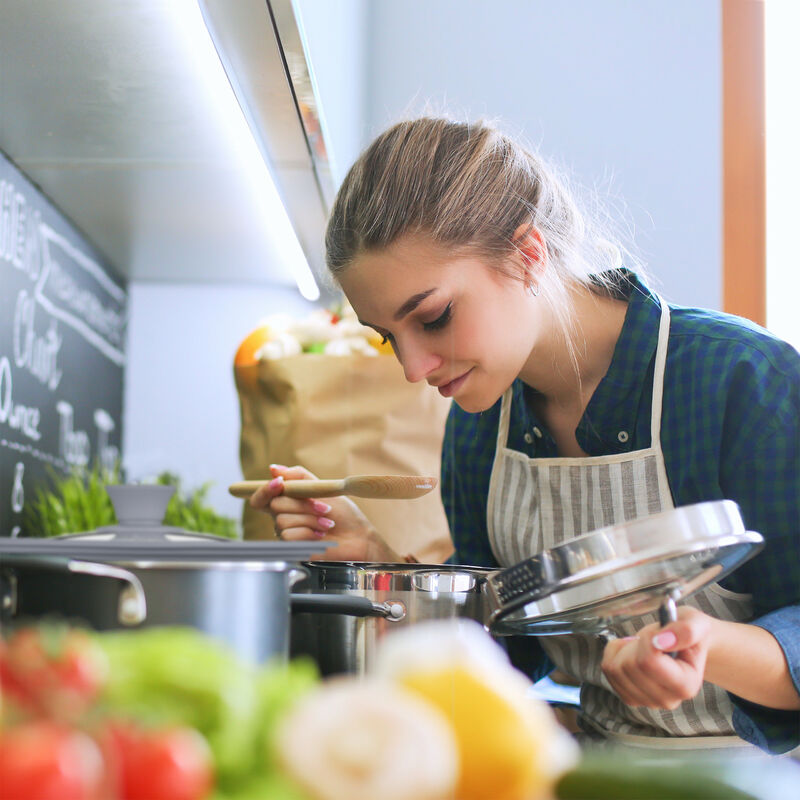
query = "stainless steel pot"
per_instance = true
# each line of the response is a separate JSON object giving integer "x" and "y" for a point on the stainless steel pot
{"x": 345, "y": 644}
{"x": 243, "y": 604}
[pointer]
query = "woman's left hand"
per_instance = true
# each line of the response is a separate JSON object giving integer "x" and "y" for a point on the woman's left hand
{"x": 641, "y": 671}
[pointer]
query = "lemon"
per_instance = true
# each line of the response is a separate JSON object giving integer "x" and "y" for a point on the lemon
{"x": 510, "y": 745}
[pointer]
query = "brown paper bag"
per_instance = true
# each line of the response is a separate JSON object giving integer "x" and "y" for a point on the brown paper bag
{"x": 347, "y": 415}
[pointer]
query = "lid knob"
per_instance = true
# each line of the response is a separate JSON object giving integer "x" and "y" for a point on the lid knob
{"x": 140, "y": 504}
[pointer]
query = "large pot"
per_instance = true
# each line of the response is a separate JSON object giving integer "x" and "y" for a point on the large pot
{"x": 341, "y": 643}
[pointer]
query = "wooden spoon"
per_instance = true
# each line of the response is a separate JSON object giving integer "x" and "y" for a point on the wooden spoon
{"x": 389, "y": 487}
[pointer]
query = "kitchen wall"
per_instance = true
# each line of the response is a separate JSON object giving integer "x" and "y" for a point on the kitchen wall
{"x": 626, "y": 95}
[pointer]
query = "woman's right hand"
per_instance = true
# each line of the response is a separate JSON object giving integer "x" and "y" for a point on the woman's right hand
{"x": 336, "y": 519}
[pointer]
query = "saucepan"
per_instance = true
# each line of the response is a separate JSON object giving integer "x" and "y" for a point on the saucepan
{"x": 342, "y": 643}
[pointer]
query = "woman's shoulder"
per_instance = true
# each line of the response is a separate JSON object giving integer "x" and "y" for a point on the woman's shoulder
{"x": 726, "y": 341}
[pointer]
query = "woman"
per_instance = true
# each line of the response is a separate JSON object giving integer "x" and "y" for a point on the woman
{"x": 582, "y": 399}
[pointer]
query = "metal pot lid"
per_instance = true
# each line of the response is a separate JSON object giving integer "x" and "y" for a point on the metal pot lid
{"x": 141, "y": 536}
{"x": 226, "y": 550}
{"x": 604, "y": 577}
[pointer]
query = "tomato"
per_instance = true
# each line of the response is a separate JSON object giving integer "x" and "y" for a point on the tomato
{"x": 44, "y": 760}
{"x": 171, "y": 763}
{"x": 52, "y": 671}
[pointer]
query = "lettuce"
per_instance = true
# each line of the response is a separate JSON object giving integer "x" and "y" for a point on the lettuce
{"x": 175, "y": 675}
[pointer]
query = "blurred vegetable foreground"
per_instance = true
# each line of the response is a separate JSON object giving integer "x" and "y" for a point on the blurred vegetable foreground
{"x": 169, "y": 714}
{"x": 157, "y": 714}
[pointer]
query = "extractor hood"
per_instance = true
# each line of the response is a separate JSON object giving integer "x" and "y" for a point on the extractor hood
{"x": 103, "y": 107}
{"x": 261, "y": 47}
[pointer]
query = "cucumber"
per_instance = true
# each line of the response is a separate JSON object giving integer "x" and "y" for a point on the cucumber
{"x": 625, "y": 781}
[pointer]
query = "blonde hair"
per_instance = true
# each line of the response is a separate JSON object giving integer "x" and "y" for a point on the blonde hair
{"x": 468, "y": 186}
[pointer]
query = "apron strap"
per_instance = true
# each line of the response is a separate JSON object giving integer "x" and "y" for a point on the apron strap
{"x": 505, "y": 415}
{"x": 658, "y": 375}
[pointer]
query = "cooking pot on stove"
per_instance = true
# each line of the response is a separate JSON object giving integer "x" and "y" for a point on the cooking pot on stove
{"x": 341, "y": 643}
{"x": 141, "y": 573}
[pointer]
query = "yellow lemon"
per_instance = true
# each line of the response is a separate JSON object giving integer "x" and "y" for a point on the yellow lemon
{"x": 510, "y": 745}
{"x": 496, "y": 749}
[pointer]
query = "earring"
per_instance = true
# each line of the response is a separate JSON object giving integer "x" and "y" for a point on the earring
{"x": 533, "y": 289}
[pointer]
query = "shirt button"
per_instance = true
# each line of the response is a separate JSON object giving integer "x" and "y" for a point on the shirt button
{"x": 623, "y": 436}
{"x": 528, "y": 438}
{"x": 537, "y": 433}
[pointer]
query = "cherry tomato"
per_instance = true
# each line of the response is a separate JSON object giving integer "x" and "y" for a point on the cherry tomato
{"x": 52, "y": 671}
{"x": 49, "y": 761}
{"x": 171, "y": 763}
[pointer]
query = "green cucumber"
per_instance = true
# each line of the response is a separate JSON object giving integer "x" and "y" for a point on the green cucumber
{"x": 622, "y": 781}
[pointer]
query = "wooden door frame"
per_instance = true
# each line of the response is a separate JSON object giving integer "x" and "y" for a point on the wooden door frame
{"x": 744, "y": 160}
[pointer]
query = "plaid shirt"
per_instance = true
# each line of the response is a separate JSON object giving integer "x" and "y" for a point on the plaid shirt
{"x": 730, "y": 429}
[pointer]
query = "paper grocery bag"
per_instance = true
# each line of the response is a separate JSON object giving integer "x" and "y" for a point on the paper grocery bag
{"x": 347, "y": 415}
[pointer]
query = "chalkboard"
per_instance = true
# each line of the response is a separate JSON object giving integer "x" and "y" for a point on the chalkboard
{"x": 62, "y": 348}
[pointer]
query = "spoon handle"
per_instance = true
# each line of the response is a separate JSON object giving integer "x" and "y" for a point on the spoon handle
{"x": 316, "y": 488}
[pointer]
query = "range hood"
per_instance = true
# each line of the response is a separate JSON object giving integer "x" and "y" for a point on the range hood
{"x": 102, "y": 106}
{"x": 261, "y": 48}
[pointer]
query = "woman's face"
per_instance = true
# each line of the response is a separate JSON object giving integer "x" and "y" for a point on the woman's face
{"x": 453, "y": 321}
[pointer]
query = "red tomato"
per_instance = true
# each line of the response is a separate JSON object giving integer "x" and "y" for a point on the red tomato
{"x": 54, "y": 671}
{"x": 46, "y": 761}
{"x": 165, "y": 764}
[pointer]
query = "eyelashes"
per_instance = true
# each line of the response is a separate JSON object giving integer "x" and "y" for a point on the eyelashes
{"x": 433, "y": 325}
{"x": 440, "y": 321}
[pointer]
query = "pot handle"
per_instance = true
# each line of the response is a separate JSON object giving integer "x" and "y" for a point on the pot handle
{"x": 297, "y": 574}
{"x": 132, "y": 604}
{"x": 350, "y": 604}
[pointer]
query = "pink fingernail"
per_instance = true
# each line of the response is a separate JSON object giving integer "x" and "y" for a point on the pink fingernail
{"x": 275, "y": 483}
{"x": 324, "y": 522}
{"x": 320, "y": 507}
{"x": 663, "y": 641}
{"x": 319, "y": 534}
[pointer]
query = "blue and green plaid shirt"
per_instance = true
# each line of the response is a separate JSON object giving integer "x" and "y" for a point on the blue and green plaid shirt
{"x": 730, "y": 429}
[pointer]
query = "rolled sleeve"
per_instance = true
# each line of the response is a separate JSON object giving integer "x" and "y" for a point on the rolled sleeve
{"x": 774, "y": 730}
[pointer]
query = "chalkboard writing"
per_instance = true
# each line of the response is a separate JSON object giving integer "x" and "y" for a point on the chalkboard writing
{"x": 62, "y": 348}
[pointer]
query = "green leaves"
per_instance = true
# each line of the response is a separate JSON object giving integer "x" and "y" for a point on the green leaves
{"x": 79, "y": 502}
{"x": 178, "y": 675}
{"x": 192, "y": 511}
{"x": 76, "y": 502}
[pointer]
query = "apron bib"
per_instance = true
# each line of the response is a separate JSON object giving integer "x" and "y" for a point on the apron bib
{"x": 538, "y": 503}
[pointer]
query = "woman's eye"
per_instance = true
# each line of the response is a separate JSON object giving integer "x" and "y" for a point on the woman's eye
{"x": 440, "y": 321}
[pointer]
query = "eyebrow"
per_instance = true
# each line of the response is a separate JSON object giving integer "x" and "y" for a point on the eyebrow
{"x": 411, "y": 304}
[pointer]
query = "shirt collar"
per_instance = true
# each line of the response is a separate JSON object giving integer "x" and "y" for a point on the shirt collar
{"x": 615, "y": 403}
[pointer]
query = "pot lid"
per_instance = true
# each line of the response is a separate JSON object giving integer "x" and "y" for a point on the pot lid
{"x": 140, "y": 535}
{"x": 595, "y": 581}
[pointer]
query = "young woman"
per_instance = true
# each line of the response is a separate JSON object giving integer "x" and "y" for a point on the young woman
{"x": 581, "y": 399}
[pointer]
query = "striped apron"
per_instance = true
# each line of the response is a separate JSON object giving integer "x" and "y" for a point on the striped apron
{"x": 538, "y": 503}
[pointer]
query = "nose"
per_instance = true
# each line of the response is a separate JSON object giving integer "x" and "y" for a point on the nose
{"x": 417, "y": 360}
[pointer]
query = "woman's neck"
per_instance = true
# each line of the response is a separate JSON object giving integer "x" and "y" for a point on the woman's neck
{"x": 565, "y": 368}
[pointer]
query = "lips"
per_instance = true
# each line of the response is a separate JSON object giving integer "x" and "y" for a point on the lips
{"x": 450, "y": 388}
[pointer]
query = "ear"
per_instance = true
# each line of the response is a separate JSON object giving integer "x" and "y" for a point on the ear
{"x": 532, "y": 251}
